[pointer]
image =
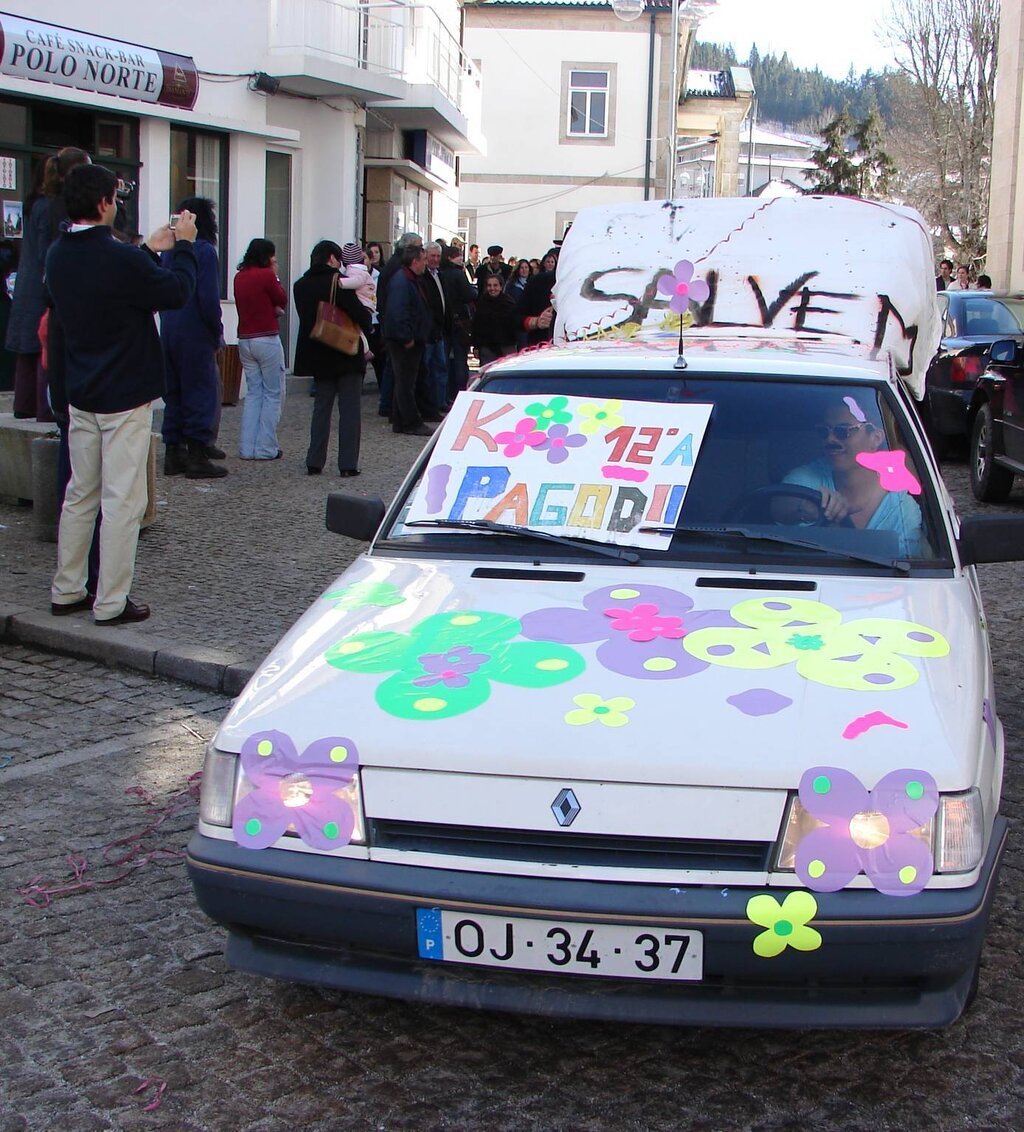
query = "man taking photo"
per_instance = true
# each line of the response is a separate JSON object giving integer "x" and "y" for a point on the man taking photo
{"x": 104, "y": 293}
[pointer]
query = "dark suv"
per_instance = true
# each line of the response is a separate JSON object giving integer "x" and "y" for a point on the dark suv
{"x": 997, "y": 423}
{"x": 973, "y": 320}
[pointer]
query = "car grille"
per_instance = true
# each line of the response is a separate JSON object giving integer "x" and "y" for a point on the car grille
{"x": 569, "y": 848}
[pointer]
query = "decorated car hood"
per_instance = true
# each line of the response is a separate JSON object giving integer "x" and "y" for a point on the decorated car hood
{"x": 614, "y": 673}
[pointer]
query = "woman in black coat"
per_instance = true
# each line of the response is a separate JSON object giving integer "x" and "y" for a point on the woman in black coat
{"x": 336, "y": 376}
{"x": 494, "y": 322}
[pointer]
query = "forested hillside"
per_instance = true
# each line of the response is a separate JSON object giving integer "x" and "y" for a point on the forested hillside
{"x": 801, "y": 99}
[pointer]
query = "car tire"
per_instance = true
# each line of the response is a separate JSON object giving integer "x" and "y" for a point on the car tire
{"x": 989, "y": 482}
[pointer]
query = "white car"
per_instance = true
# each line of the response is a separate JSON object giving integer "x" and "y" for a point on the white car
{"x": 663, "y": 690}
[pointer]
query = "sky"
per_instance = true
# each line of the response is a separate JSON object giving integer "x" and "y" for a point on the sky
{"x": 828, "y": 34}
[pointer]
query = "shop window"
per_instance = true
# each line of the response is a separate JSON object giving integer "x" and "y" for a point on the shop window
{"x": 199, "y": 168}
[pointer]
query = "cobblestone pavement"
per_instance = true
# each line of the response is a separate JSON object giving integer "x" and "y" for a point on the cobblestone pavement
{"x": 122, "y": 981}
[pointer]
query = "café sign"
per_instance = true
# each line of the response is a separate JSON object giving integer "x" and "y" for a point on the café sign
{"x": 48, "y": 53}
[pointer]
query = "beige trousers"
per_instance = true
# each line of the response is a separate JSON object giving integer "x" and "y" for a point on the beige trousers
{"x": 109, "y": 456}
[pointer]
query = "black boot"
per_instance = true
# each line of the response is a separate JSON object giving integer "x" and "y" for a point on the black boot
{"x": 215, "y": 453}
{"x": 197, "y": 464}
{"x": 174, "y": 459}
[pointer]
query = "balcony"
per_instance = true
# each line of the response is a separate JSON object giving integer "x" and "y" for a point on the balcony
{"x": 444, "y": 94}
{"x": 399, "y": 58}
{"x": 325, "y": 48}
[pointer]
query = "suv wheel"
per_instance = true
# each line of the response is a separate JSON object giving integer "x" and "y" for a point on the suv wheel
{"x": 989, "y": 482}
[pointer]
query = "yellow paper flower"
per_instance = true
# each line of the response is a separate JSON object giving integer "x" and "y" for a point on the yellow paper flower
{"x": 593, "y": 709}
{"x": 786, "y": 924}
{"x": 600, "y": 418}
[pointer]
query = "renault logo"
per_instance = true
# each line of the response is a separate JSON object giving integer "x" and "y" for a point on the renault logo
{"x": 565, "y": 807}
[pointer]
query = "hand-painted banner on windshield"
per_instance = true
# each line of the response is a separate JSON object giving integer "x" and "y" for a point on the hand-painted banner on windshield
{"x": 578, "y": 466}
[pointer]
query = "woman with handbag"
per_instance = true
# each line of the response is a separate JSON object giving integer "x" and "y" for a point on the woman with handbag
{"x": 329, "y": 349}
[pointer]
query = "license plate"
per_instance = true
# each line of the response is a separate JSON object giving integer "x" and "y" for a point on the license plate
{"x": 609, "y": 950}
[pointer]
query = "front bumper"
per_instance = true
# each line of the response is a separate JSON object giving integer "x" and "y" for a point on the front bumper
{"x": 884, "y": 962}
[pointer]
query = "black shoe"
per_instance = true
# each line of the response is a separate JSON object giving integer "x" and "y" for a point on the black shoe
{"x": 419, "y": 430}
{"x": 197, "y": 463}
{"x": 349, "y": 472}
{"x": 174, "y": 459}
{"x": 214, "y": 453}
{"x": 313, "y": 471}
{"x": 133, "y": 611}
{"x": 433, "y": 418}
{"x": 23, "y": 416}
{"x": 79, "y": 606}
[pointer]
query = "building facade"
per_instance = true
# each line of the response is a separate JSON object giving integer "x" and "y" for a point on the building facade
{"x": 578, "y": 109}
{"x": 1005, "y": 260}
{"x": 300, "y": 119}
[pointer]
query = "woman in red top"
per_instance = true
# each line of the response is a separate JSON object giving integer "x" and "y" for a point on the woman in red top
{"x": 259, "y": 300}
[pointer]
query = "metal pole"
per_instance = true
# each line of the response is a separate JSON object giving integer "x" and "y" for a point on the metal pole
{"x": 750, "y": 143}
{"x": 673, "y": 125}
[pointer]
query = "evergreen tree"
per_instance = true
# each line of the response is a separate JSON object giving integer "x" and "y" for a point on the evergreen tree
{"x": 851, "y": 160}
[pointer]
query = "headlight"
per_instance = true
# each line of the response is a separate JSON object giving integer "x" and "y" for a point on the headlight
{"x": 217, "y": 793}
{"x": 296, "y": 791}
{"x": 956, "y": 834}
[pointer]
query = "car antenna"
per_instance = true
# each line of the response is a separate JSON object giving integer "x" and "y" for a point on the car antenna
{"x": 680, "y": 362}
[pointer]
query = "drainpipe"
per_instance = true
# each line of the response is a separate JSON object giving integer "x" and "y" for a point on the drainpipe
{"x": 650, "y": 108}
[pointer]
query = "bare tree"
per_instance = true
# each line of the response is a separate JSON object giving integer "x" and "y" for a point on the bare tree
{"x": 946, "y": 49}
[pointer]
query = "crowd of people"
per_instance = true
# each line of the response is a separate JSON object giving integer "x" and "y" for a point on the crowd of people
{"x": 954, "y": 277}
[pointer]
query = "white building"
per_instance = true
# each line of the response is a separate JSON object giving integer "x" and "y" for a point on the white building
{"x": 301, "y": 119}
{"x": 578, "y": 110}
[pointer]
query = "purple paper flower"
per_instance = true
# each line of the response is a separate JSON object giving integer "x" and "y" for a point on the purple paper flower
{"x": 683, "y": 288}
{"x": 452, "y": 668}
{"x": 557, "y": 443}
{"x": 525, "y": 434}
{"x": 293, "y": 790}
{"x": 866, "y": 830}
{"x": 639, "y": 627}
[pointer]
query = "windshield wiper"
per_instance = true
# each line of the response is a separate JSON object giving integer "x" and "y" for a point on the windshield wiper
{"x": 526, "y": 532}
{"x": 900, "y": 564}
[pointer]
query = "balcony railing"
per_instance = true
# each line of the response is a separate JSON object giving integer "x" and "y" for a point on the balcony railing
{"x": 409, "y": 42}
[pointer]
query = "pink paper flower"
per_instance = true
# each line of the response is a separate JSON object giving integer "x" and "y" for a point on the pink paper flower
{"x": 893, "y": 473}
{"x": 683, "y": 288}
{"x": 525, "y": 434}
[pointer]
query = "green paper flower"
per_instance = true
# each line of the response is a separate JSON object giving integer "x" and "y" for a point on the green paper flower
{"x": 864, "y": 655}
{"x": 413, "y": 657}
{"x": 358, "y": 594}
{"x": 600, "y": 418}
{"x": 593, "y": 709}
{"x": 554, "y": 412}
{"x": 785, "y": 924}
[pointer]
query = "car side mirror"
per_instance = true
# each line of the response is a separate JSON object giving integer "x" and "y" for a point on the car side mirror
{"x": 991, "y": 538}
{"x": 353, "y": 515}
{"x": 1003, "y": 352}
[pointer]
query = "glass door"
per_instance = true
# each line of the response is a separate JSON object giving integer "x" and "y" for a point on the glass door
{"x": 278, "y": 224}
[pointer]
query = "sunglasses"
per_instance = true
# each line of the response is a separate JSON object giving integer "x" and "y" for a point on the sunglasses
{"x": 839, "y": 431}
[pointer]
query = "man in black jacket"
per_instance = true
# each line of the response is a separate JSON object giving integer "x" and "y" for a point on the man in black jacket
{"x": 406, "y": 325}
{"x": 105, "y": 293}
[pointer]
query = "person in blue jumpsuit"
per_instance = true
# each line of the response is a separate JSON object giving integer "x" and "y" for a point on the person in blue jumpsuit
{"x": 191, "y": 338}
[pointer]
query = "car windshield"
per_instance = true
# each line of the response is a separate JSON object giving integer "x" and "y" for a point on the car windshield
{"x": 980, "y": 315}
{"x": 795, "y": 474}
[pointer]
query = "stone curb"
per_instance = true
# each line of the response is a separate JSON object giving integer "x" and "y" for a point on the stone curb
{"x": 118, "y": 646}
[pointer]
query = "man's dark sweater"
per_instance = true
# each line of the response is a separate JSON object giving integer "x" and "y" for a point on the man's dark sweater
{"x": 105, "y": 293}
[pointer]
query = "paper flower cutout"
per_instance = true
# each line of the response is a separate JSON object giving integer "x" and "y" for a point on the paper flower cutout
{"x": 524, "y": 435}
{"x": 295, "y": 791}
{"x": 893, "y": 473}
{"x": 600, "y": 418}
{"x": 444, "y": 666}
{"x": 640, "y": 628}
{"x": 558, "y": 442}
{"x": 358, "y": 594}
{"x": 683, "y": 288}
{"x": 593, "y": 709}
{"x": 759, "y": 701}
{"x": 866, "y": 830}
{"x": 864, "y": 655}
{"x": 786, "y": 924}
{"x": 552, "y": 413}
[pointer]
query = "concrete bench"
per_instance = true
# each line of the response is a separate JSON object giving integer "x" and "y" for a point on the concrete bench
{"x": 28, "y": 471}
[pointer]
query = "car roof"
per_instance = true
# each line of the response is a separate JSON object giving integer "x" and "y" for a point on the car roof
{"x": 781, "y": 355}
